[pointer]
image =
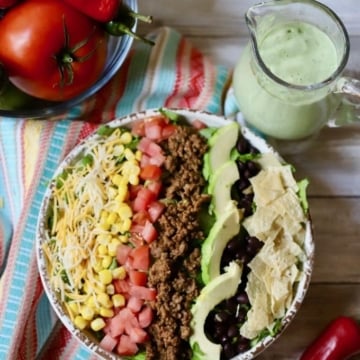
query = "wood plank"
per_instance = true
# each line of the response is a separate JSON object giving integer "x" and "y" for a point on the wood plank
{"x": 336, "y": 223}
{"x": 213, "y": 18}
{"x": 322, "y": 304}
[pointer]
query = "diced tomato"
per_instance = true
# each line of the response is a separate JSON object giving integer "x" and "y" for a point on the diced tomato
{"x": 150, "y": 172}
{"x": 153, "y": 130}
{"x": 143, "y": 199}
{"x": 142, "y": 292}
{"x": 145, "y": 160}
{"x": 122, "y": 322}
{"x": 138, "y": 277}
{"x": 138, "y": 128}
{"x": 138, "y": 335}
{"x": 155, "y": 187}
{"x": 122, "y": 253}
{"x": 126, "y": 346}
{"x": 145, "y": 316}
{"x": 198, "y": 124}
{"x": 149, "y": 147}
{"x": 136, "y": 238}
{"x": 141, "y": 258}
{"x": 121, "y": 286}
{"x": 149, "y": 232}
{"x": 134, "y": 190}
{"x": 168, "y": 130}
{"x": 134, "y": 304}
{"x": 140, "y": 218}
{"x": 108, "y": 343}
{"x": 157, "y": 160}
{"x": 155, "y": 209}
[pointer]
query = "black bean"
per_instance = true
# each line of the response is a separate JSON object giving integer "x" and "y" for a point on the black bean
{"x": 222, "y": 317}
{"x": 233, "y": 331}
{"x": 242, "y": 298}
{"x": 241, "y": 315}
{"x": 253, "y": 245}
{"x": 242, "y": 344}
{"x": 229, "y": 350}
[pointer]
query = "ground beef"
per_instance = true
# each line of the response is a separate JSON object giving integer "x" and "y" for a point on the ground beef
{"x": 176, "y": 252}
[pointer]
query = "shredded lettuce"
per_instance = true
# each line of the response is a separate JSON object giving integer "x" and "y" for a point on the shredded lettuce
{"x": 303, "y": 184}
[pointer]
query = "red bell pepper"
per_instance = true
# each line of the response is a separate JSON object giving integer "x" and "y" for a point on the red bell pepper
{"x": 4, "y": 4}
{"x": 339, "y": 341}
{"x": 99, "y": 10}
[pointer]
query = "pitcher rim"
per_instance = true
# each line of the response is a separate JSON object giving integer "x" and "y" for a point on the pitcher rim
{"x": 340, "y": 68}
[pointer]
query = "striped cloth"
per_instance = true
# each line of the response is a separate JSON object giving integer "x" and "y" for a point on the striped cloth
{"x": 173, "y": 74}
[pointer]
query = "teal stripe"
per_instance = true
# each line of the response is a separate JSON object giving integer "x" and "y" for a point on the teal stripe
{"x": 44, "y": 321}
{"x": 82, "y": 354}
{"x": 8, "y": 138}
{"x": 164, "y": 81}
{"x": 20, "y": 281}
{"x": 214, "y": 105}
{"x": 136, "y": 76}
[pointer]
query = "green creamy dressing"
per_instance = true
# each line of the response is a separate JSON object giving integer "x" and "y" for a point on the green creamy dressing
{"x": 299, "y": 54}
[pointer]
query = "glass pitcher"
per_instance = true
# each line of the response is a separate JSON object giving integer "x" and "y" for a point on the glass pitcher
{"x": 288, "y": 82}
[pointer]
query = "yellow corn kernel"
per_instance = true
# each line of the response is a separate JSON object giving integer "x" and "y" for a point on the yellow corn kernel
{"x": 104, "y": 300}
{"x": 118, "y": 300}
{"x": 105, "y": 276}
{"x": 73, "y": 307}
{"x": 124, "y": 211}
{"x": 138, "y": 155}
{"x": 103, "y": 216}
{"x": 112, "y": 218}
{"x": 134, "y": 179}
{"x": 126, "y": 138}
{"x": 124, "y": 239}
{"x": 119, "y": 273}
{"x": 108, "y": 313}
{"x": 103, "y": 239}
{"x": 110, "y": 289}
{"x": 97, "y": 324}
{"x": 80, "y": 322}
{"x": 129, "y": 155}
{"x": 106, "y": 261}
{"x": 102, "y": 249}
{"x": 118, "y": 150}
{"x": 87, "y": 313}
{"x": 118, "y": 180}
{"x": 90, "y": 302}
{"x": 125, "y": 225}
{"x": 112, "y": 247}
{"x": 97, "y": 266}
{"x": 122, "y": 194}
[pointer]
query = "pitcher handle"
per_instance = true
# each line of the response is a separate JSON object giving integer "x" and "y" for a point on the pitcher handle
{"x": 349, "y": 110}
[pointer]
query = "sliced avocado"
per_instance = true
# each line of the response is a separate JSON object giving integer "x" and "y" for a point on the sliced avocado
{"x": 220, "y": 143}
{"x": 224, "y": 229}
{"x": 221, "y": 288}
{"x": 220, "y": 186}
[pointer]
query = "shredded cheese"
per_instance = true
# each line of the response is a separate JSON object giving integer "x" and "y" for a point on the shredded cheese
{"x": 84, "y": 203}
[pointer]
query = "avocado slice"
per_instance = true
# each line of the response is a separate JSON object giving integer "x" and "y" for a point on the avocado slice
{"x": 221, "y": 143}
{"x": 221, "y": 288}
{"x": 224, "y": 229}
{"x": 220, "y": 187}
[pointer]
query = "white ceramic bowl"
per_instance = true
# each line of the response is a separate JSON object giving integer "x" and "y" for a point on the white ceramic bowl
{"x": 210, "y": 120}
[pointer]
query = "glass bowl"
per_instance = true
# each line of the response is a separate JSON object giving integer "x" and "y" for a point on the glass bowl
{"x": 118, "y": 48}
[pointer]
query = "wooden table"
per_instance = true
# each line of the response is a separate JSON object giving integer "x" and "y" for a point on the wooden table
{"x": 332, "y": 166}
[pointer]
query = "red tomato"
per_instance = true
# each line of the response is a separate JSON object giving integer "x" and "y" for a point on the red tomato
{"x": 108, "y": 343}
{"x": 138, "y": 335}
{"x": 50, "y": 50}
{"x": 126, "y": 346}
{"x": 149, "y": 232}
{"x": 141, "y": 257}
{"x": 142, "y": 292}
{"x": 155, "y": 209}
{"x": 134, "y": 304}
{"x": 143, "y": 199}
{"x": 145, "y": 316}
{"x": 122, "y": 253}
{"x": 138, "y": 277}
{"x": 7, "y": 3}
{"x": 150, "y": 172}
